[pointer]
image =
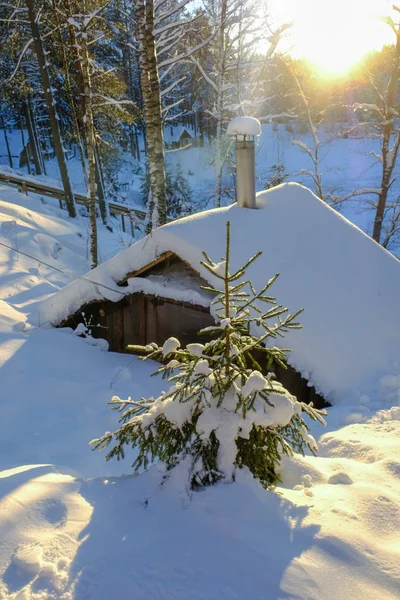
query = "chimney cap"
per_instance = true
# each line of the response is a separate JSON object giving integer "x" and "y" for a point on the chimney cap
{"x": 244, "y": 126}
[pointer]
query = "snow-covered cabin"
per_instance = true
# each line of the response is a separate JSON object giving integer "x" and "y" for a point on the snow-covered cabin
{"x": 348, "y": 285}
{"x": 178, "y": 136}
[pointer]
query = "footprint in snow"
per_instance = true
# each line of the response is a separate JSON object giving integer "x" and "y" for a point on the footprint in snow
{"x": 57, "y": 249}
{"x": 24, "y": 567}
{"x": 54, "y": 511}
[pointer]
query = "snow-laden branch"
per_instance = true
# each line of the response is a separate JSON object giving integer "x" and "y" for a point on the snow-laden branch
{"x": 212, "y": 113}
{"x": 167, "y": 108}
{"x": 278, "y": 116}
{"x": 169, "y": 13}
{"x": 304, "y": 147}
{"x": 166, "y": 37}
{"x": 131, "y": 46}
{"x": 393, "y": 228}
{"x": 111, "y": 102}
{"x": 93, "y": 14}
{"x": 187, "y": 54}
{"x": 204, "y": 74}
{"x": 172, "y": 86}
{"x": 165, "y": 73}
{"x": 13, "y": 17}
{"x": 376, "y": 90}
{"x": 97, "y": 39}
{"x": 275, "y": 38}
{"x": 365, "y": 106}
{"x": 167, "y": 151}
{"x": 175, "y": 25}
{"x": 21, "y": 56}
{"x": 169, "y": 44}
{"x": 362, "y": 192}
{"x": 15, "y": 9}
{"x": 173, "y": 117}
{"x": 158, "y": 4}
{"x": 379, "y": 157}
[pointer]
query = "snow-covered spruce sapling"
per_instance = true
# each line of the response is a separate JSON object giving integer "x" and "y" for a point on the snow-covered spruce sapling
{"x": 220, "y": 412}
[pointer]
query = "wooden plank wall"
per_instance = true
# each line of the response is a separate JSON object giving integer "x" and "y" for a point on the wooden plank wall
{"x": 140, "y": 319}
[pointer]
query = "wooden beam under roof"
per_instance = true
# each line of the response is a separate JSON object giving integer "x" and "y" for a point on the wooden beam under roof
{"x": 159, "y": 259}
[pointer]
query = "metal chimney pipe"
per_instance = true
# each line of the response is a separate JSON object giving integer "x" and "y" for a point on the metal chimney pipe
{"x": 245, "y": 173}
{"x": 244, "y": 129}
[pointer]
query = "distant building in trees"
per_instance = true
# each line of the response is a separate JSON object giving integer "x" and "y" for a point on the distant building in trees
{"x": 179, "y": 136}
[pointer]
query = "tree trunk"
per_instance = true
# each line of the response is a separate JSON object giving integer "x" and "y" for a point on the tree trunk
{"x": 71, "y": 98}
{"x": 103, "y": 205}
{"x": 220, "y": 107}
{"x": 33, "y": 140}
{"x": 21, "y": 127}
{"x": 150, "y": 85}
{"x": 47, "y": 90}
{"x": 81, "y": 111}
{"x": 36, "y": 137}
{"x": 90, "y": 140}
{"x": 137, "y": 144}
{"x": 389, "y": 155}
{"x": 218, "y": 164}
{"x": 7, "y": 144}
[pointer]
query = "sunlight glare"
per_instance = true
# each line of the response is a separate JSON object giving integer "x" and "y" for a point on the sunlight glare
{"x": 334, "y": 36}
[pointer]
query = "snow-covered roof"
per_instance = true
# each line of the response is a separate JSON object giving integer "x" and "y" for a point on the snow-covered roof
{"x": 175, "y": 134}
{"x": 347, "y": 284}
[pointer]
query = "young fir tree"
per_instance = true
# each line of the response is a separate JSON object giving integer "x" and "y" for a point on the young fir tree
{"x": 220, "y": 412}
{"x": 179, "y": 196}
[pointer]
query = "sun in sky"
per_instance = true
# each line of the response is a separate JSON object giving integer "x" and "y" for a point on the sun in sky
{"x": 334, "y": 35}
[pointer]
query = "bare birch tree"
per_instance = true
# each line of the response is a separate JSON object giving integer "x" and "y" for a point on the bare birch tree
{"x": 390, "y": 148}
{"x": 161, "y": 30}
{"x": 313, "y": 122}
{"x": 82, "y": 38}
{"x": 237, "y": 32}
{"x": 150, "y": 85}
{"x": 384, "y": 117}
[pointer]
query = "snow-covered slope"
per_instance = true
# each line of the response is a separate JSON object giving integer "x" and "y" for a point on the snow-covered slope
{"x": 330, "y": 532}
{"x": 72, "y": 528}
{"x": 347, "y": 284}
{"x": 34, "y": 226}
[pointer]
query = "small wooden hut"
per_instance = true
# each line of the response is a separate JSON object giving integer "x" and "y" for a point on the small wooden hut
{"x": 328, "y": 267}
{"x": 146, "y": 315}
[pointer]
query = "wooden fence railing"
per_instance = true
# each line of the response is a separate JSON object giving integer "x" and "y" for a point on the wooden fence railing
{"x": 26, "y": 185}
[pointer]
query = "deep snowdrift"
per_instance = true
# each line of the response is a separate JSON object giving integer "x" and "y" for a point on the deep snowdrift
{"x": 330, "y": 531}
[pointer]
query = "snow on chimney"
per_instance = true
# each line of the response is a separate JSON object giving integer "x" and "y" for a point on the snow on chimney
{"x": 244, "y": 129}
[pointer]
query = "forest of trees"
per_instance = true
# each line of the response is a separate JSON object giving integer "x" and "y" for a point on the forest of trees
{"x": 94, "y": 77}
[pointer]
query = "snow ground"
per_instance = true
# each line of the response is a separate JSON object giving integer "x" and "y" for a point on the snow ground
{"x": 73, "y": 527}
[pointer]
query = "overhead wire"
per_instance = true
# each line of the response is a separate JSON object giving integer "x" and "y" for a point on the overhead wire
{"x": 42, "y": 262}
{"x": 83, "y": 277}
